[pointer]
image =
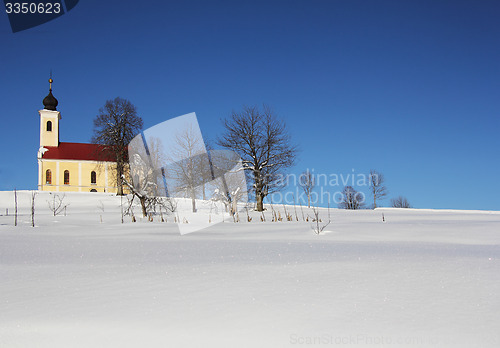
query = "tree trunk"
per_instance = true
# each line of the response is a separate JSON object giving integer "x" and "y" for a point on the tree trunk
{"x": 15, "y": 199}
{"x": 119, "y": 182}
{"x": 143, "y": 205}
{"x": 309, "y": 201}
{"x": 259, "y": 199}
{"x": 193, "y": 200}
{"x": 33, "y": 194}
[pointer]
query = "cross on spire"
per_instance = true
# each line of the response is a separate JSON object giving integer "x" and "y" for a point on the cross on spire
{"x": 50, "y": 80}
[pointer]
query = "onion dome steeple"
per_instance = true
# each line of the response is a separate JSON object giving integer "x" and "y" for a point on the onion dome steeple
{"x": 50, "y": 102}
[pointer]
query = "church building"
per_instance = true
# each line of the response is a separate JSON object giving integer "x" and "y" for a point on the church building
{"x": 75, "y": 167}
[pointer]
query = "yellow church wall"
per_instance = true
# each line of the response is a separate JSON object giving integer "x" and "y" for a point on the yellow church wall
{"x": 79, "y": 176}
{"x": 49, "y": 138}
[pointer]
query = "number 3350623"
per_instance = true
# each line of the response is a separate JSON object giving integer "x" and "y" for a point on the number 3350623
{"x": 27, "y": 7}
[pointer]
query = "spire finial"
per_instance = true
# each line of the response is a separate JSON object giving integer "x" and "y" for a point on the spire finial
{"x": 50, "y": 102}
{"x": 50, "y": 80}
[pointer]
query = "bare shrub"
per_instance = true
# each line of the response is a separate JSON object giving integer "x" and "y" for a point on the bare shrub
{"x": 307, "y": 182}
{"x": 400, "y": 202}
{"x": 56, "y": 203}
{"x": 351, "y": 199}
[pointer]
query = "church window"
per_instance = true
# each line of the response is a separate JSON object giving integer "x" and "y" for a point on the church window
{"x": 48, "y": 177}
{"x": 66, "y": 177}
{"x": 93, "y": 177}
{"x": 49, "y": 126}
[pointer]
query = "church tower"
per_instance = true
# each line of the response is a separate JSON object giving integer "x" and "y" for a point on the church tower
{"x": 49, "y": 120}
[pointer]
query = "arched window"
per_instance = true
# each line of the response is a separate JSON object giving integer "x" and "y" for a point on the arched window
{"x": 93, "y": 190}
{"x": 49, "y": 126}
{"x": 93, "y": 177}
{"x": 66, "y": 177}
{"x": 48, "y": 177}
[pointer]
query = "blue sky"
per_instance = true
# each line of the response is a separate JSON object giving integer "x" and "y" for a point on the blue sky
{"x": 410, "y": 88}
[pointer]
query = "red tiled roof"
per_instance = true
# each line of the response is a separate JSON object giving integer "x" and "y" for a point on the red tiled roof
{"x": 76, "y": 151}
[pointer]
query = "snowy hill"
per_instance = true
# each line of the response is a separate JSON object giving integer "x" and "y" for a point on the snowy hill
{"x": 422, "y": 278}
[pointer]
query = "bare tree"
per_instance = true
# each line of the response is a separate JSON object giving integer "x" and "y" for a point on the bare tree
{"x": 400, "y": 202}
{"x": 352, "y": 199}
{"x": 229, "y": 184}
{"x": 100, "y": 206}
{"x": 377, "y": 187}
{"x": 191, "y": 168}
{"x": 15, "y": 201}
{"x": 206, "y": 170}
{"x": 33, "y": 195}
{"x": 114, "y": 127}
{"x": 148, "y": 202}
{"x": 56, "y": 205}
{"x": 318, "y": 226}
{"x": 148, "y": 176}
{"x": 307, "y": 182}
{"x": 264, "y": 145}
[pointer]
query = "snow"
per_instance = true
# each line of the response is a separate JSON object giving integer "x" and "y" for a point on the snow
{"x": 423, "y": 278}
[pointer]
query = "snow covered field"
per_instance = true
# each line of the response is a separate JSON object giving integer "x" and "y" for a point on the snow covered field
{"x": 423, "y": 278}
